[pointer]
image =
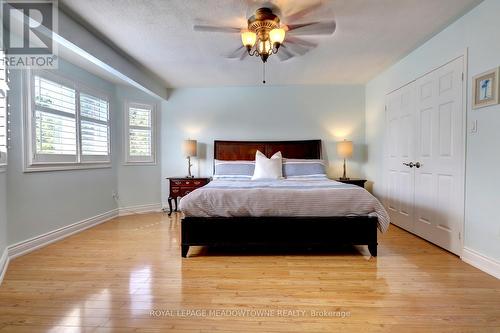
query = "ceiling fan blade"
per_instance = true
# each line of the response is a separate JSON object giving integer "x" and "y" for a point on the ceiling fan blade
{"x": 300, "y": 41}
{"x": 213, "y": 28}
{"x": 244, "y": 54}
{"x": 238, "y": 53}
{"x": 303, "y": 12}
{"x": 235, "y": 54}
{"x": 297, "y": 48}
{"x": 283, "y": 54}
{"x": 312, "y": 28}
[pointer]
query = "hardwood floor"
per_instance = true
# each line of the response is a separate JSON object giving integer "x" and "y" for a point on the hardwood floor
{"x": 111, "y": 277}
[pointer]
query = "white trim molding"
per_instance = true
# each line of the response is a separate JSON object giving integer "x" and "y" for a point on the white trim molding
{"x": 482, "y": 262}
{"x": 4, "y": 263}
{"x": 37, "y": 242}
{"x": 140, "y": 209}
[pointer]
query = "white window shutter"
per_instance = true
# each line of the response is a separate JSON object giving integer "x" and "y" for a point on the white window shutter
{"x": 55, "y": 122}
{"x": 94, "y": 124}
{"x": 140, "y": 133}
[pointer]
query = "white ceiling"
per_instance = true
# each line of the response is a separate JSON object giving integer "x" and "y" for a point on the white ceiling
{"x": 371, "y": 35}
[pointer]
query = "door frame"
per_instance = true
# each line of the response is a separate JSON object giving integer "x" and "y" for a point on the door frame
{"x": 465, "y": 98}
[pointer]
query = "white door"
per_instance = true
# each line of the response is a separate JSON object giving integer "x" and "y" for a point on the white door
{"x": 425, "y": 156}
{"x": 399, "y": 153}
{"x": 439, "y": 180}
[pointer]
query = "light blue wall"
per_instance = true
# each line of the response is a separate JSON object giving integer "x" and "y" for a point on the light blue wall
{"x": 330, "y": 113}
{"x": 137, "y": 184}
{"x": 478, "y": 31}
{"x": 3, "y": 213}
{"x": 40, "y": 202}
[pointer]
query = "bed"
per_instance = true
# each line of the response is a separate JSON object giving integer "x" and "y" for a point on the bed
{"x": 290, "y": 212}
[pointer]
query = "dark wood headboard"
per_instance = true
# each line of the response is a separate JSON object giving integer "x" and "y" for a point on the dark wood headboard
{"x": 245, "y": 150}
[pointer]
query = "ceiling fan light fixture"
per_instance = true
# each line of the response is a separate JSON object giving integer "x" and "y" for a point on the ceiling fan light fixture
{"x": 264, "y": 34}
{"x": 277, "y": 36}
{"x": 248, "y": 38}
{"x": 264, "y": 47}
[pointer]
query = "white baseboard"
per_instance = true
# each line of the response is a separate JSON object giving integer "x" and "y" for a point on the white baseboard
{"x": 4, "y": 262}
{"x": 480, "y": 261}
{"x": 37, "y": 242}
{"x": 139, "y": 209}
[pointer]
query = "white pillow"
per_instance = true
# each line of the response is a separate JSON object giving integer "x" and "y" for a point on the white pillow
{"x": 268, "y": 168}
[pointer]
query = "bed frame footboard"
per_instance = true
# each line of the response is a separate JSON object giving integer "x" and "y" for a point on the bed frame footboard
{"x": 279, "y": 231}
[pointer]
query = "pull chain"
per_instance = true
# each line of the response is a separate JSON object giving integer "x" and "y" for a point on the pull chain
{"x": 264, "y": 73}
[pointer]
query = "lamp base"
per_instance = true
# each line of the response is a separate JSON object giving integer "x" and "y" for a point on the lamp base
{"x": 344, "y": 177}
{"x": 189, "y": 167}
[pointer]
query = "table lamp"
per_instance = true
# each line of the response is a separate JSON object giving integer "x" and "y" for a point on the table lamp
{"x": 190, "y": 150}
{"x": 344, "y": 150}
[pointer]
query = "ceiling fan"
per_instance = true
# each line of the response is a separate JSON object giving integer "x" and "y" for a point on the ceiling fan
{"x": 267, "y": 34}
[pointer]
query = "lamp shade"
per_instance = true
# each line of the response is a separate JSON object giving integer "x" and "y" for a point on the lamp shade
{"x": 190, "y": 148}
{"x": 248, "y": 38}
{"x": 277, "y": 36}
{"x": 344, "y": 149}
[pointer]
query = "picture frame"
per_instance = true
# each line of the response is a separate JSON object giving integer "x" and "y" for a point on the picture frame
{"x": 486, "y": 89}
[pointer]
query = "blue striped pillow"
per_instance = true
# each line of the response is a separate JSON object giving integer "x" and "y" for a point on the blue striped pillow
{"x": 234, "y": 169}
{"x": 304, "y": 168}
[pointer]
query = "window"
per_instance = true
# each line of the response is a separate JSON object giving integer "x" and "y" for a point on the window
{"x": 55, "y": 122}
{"x": 140, "y": 134}
{"x": 3, "y": 114}
{"x": 68, "y": 125}
{"x": 94, "y": 125}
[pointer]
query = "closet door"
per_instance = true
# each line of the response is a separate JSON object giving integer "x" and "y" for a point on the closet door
{"x": 399, "y": 152}
{"x": 439, "y": 178}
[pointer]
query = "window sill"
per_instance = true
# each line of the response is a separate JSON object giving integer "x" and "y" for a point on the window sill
{"x": 139, "y": 163}
{"x": 65, "y": 167}
{"x": 3, "y": 168}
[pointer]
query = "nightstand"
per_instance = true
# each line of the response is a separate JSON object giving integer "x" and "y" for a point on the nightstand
{"x": 353, "y": 181}
{"x": 180, "y": 186}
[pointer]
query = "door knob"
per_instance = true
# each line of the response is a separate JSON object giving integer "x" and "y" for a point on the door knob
{"x": 411, "y": 165}
{"x": 418, "y": 165}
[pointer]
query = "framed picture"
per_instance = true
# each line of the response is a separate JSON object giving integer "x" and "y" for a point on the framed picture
{"x": 486, "y": 89}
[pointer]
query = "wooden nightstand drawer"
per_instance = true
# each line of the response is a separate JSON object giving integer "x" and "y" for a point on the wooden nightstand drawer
{"x": 181, "y": 191}
{"x": 200, "y": 182}
{"x": 182, "y": 182}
